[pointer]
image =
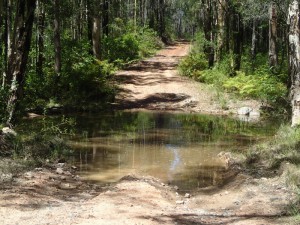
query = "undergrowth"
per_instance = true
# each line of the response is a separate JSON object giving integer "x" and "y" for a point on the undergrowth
{"x": 262, "y": 83}
{"x": 281, "y": 153}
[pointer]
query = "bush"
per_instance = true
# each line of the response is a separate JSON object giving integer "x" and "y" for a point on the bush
{"x": 260, "y": 86}
{"x": 283, "y": 147}
{"x": 127, "y": 43}
{"x": 193, "y": 65}
{"x": 125, "y": 48}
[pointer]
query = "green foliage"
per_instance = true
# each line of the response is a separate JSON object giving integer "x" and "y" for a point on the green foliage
{"x": 260, "y": 86}
{"x": 83, "y": 80}
{"x": 123, "y": 48}
{"x": 127, "y": 43}
{"x": 196, "y": 61}
{"x": 282, "y": 147}
{"x": 193, "y": 65}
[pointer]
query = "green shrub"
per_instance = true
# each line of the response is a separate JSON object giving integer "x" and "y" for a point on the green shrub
{"x": 261, "y": 86}
{"x": 193, "y": 65}
{"x": 283, "y": 147}
{"x": 125, "y": 48}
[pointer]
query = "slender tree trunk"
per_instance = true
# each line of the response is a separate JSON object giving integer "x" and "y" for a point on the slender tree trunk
{"x": 253, "y": 43}
{"x": 207, "y": 27}
{"x": 20, "y": 46}
{"x": 7, "y": 42}
{"x": 105, "y": 17}
{"x": 96, "y": 37}
{"x": 40, "y": 38}
{"x": 294, "y": 60}
{"x": 57, "y": 41}
{"x": 221, "y": 6}
{"x": 273, "y": 58}
{"x": 89, "y": 21}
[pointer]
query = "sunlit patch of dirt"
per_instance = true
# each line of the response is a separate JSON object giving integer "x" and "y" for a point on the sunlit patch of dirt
{"x": 154, "y": 84}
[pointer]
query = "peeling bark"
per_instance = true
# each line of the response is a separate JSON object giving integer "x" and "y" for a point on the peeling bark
{"x": 294, "y": 60}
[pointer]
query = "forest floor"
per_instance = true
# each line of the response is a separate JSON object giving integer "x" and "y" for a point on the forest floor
{"x": 56, "y": 195}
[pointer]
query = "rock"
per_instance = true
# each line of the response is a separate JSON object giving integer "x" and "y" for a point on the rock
{"x": 59, "y": 171}
{"x": 179, "y": 202}
{"x": 244, "y": 111}
{"x": 60, "y": 165}
{"x": 38, "y": 169}
{"x": 74, "y": 168}
{"x": 29, "y": 175}
{"x": 254, "y": 113}
{"x": 176, "y": 188}
{"x": 187, "y": 195}
{"x": 8, "y": 131}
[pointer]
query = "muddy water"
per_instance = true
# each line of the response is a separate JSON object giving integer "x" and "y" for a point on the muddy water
{"x": 179, "y": 149}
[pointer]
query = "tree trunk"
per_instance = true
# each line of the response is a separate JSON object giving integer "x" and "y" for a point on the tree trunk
{"x": 40, "y": 38}
{"x": 105, "y": 17}
{"x": 207, "y": 27}
{"x": 253, "y": 43}
{"x": 273, "y": 58}
{"x": 221, "y": 6}
{"x": 294, "y": 60}
{"x": 20, "y": 50}
{"x": 7, "y": 42}
{"x": 96, "y": 37}
{"x": 57, "y": 41}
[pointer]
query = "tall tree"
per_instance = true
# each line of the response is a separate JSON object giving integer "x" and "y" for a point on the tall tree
{"x": 57, "y": 39}
{"x": 20, "y": 49}
{"x": 294, "y": 60}
{"x": 273, "y": 58}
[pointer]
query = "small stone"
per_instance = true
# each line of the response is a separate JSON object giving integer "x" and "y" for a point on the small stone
{"x": 8, "y": 131}
{"x": 63, "y": 178}
{"x": 179, "y": 202}
{"x": 226, "y": 192}
{"x": 244, "y": 111}
{"x": 59, "y": 171}
{"x": 162, "y": 184}
{"x": 29, "y": 175}
{"x": 68, "y": 173}
{"x": 60, "y": 165}
{"x": 77, "y": 177}
{"x": 176, "y": 188}
{"x": 38, "y": 169}
{"x": 187, "y": 195}
{"x": 73, "y": 167}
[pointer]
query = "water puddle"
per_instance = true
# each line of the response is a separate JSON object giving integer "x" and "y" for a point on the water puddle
{"x": 179, "y": 149}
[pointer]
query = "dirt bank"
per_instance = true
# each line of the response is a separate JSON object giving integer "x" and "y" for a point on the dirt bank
{"x": 59, "y": 196}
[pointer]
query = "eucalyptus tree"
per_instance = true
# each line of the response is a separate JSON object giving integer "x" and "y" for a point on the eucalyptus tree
{"x": 294, "y": 60}
{"x": 21, "y": 41}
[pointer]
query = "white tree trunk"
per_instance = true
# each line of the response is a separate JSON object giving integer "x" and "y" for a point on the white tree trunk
{"x": 294, "y": 60}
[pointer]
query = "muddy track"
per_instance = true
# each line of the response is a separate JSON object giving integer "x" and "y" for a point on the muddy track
{"x": 58, "y": 196}
{"x": 154, "y": 84}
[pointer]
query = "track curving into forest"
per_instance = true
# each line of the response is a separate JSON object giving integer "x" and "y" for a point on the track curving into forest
{"x": 155, "y": 84}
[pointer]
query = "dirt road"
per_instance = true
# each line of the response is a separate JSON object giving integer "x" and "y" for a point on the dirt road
{"x": 57, "y": 196}
{"x": 154, "y": 84}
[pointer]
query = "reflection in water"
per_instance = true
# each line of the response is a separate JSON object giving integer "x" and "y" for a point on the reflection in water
{"x": 179, "y": 149}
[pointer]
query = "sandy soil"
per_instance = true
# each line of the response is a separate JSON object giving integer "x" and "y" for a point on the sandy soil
{"x": 154, "y": 84}
{"x": 43, "y": 196}
{"x": 56, "y": 194}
